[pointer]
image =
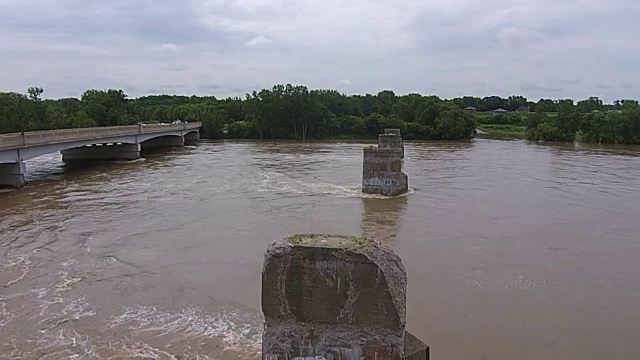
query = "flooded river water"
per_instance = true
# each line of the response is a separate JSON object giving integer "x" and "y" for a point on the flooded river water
{"x": 513, "y": 250}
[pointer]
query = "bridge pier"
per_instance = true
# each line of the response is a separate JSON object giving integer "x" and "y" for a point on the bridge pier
{"x": 382, "y": 166}
{"x": 192, "y": 138}
{"x": 12, "y": 174}
{"x": 330, "y": 297}
{"x": 102, "y": 152}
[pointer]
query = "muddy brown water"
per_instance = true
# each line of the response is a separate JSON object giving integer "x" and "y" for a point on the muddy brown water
{"x": 513, "y": 250}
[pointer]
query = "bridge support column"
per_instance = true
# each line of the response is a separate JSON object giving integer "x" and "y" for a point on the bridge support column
{"x": 192, "y": 138}
{"x": 335, "y": 297}
{"x": 102, "y": 152}
{"x": 382, "y": 166}
{"x": 12, "y": 174}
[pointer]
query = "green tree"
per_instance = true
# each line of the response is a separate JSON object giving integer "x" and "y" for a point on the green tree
{"x": 545, "y": 105}
{"x": 428, "y": 111}
{"x": 374, "y": 124}
{"x": 213, "y": 123}
{"x": 295, "y": 112}
{"x": 242, "y": 130}
{"x": 351, "y": 125}
{"x": 106, "y": 108}
{"x": 384, "y": 102}
{"x": 453, "y": 124}
{"x": 591, "y": 104}
{"x": 514, "y": 102}
{"x": 35, "y": 93}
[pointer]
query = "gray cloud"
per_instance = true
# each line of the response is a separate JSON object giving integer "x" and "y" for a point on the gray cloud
{"x": 566, "y": 82}
{"x": 539, "y": 88}
{"x": 533, "y": 47}
{"x": 258, "y": 41}
{"x": 518, "y": 37}
{"x": 210, "y": 86}
{"x": 157, "y": 22}
{"x": 225, "y": 89}
{"x": 176, "y": 67}
{"x": 167, "y": 89}
{"x": 161, "y": 91}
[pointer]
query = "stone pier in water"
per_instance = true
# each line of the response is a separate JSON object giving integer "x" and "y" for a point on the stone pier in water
{"x": 382, "y": 166}
{"x": 328, "y": 297}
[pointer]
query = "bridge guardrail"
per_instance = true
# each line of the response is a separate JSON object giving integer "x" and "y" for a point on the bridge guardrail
{"x": 16, "y": 140}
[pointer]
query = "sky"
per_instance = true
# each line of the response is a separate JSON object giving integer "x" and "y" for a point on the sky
{"x": 536, "y": 48}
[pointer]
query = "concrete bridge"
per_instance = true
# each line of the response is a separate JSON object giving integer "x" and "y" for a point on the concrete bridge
{"x": 97, "y": 143}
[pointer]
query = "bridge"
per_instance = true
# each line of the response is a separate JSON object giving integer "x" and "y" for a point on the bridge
{"x": 96, "y": 143}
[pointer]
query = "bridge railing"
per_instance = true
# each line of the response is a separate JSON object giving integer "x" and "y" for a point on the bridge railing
{"x": 31, "y": 138}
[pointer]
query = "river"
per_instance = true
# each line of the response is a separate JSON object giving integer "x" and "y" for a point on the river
{"x": 513, "y": 250}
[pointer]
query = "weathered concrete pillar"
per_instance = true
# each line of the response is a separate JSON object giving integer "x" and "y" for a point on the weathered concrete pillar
{"x": 192, "y": 138}
{"x": 102, "y": 152}
{"x": 333, "y": 297}
{"x": 382, "y": 166}
{"x": 391, "y": 139}
{"x": 414, "y": 349}
{"x": 12, "y": 174}
{"x": 382, "y": 172}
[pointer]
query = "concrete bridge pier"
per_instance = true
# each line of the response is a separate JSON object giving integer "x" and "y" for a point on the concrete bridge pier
{"x": 391, "y": 139}
{"x": 382, "y": 166}
{"x": 331, "y": 297}
{"x": 12, "y": 174}
{"x": 102, "y": 152}
{"x": 192, "y": 138}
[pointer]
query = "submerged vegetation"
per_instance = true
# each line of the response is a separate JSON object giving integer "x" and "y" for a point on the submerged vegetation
{"x": 295, "y": 112}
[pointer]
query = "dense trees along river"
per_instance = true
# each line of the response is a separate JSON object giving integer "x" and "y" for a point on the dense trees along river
{"x": 295, "y": 112}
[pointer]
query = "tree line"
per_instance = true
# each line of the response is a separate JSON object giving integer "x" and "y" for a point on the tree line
{"x": 570, "y": 123}
{"x": 602, "y": 127}
{"x": 512, "y": 103}
{"x": 296, "y": 112}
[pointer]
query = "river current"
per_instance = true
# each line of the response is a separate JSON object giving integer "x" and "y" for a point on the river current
{"x": 513, "y": 250}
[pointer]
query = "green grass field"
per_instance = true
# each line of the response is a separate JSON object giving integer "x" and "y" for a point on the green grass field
{"x": 502, "y": 131}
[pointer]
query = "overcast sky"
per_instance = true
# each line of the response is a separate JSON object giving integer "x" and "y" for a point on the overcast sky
{"x": 537, "y": 48}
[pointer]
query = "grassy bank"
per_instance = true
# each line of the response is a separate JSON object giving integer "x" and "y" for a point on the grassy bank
{"x": 494, "y": 131}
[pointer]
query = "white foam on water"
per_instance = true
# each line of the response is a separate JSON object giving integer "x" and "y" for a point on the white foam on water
{"x": 382, "y": 197}
{"x": 280, "y": 183}
{"x": 63, "y": 344}
{"x": 74, "y": 310}
{"x": 140, "y": 350}
{"x": 482, "y": 280}
{"x": 5, "y": 315}
{"x": 55, "y": 329}
{"x": 67, "y": 283}
{"x": 235, "y": 330}
{"x": 22, "y": 262}
{"x": 69, "y": 344}
{"x": 130, "y": 161}
{"x": 525, "y": 283}
{"x": 46, "y": 297}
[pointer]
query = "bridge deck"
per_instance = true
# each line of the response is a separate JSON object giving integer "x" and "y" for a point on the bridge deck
{"x": 33, "y": 138}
